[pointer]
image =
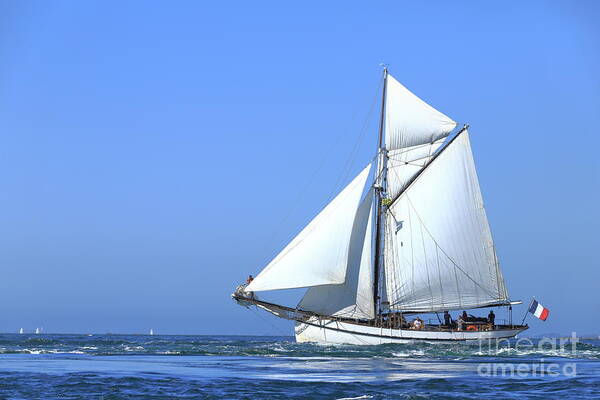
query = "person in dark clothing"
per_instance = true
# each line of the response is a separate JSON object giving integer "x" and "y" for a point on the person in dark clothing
{"x": 464, "y": 316}
{"x": 491, "y": 317}
{"x": 447, "y": 318}
{"x": 250, "y": 279}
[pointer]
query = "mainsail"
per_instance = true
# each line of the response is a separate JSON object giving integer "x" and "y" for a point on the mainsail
{"x": 439, "y": 252}
{"x": 319, "y": 254}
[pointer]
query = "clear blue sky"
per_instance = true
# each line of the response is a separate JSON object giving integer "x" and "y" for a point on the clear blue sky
{"x": 152, "y": 154}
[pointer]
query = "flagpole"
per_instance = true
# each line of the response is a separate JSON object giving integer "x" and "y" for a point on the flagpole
{"x": 527, "y": 311}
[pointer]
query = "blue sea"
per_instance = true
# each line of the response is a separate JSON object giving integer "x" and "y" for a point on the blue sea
{"x": 245, "y": 367}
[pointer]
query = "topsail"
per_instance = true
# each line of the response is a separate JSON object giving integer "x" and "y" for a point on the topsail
{"x": 409, "y": 121}
{"x": 414, "y": 131}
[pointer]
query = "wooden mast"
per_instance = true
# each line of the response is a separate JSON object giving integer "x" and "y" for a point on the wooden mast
{"x": 379, "y": 191}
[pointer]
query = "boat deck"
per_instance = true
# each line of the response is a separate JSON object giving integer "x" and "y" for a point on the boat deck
{"x": 392, "y": 321}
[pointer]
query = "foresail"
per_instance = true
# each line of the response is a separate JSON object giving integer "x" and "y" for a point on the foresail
{"x": 354, "y": 298}
{"x": 439, "y": 251}
{"x": 318, "y": 255}
{"x": 409, "y": 121}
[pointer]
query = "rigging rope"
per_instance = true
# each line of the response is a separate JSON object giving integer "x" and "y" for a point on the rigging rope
{"x": 268, "y": 321}
{"x": 397, "y": 287}
{"x": 354, "y": 153}
{"x": 446, "y": 254}
{"x": 345, "y": 171}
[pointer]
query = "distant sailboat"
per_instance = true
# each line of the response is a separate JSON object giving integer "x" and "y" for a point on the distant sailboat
{"x": 151, "y": 332}
{"x": 410, "y": 238}
{"x": 38, "y": 331}
{"x": 21, "y": 331}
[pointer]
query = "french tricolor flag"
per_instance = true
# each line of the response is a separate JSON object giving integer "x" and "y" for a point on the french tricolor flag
{"x": 539, "y": 310}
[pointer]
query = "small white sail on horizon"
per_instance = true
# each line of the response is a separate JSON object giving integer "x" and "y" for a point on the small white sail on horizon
{"x": 38, "y": 331}
{"x": 21, "y": 331}
{"x": 151, "y": 332}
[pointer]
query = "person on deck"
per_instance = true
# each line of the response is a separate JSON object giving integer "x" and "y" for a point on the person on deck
{"x": 447, "y": 318}
{"x": 418, "y": 324}
{"x": 250, "y": 294}
{"x": 491, "y": 317}
{"x": 464, "y": 316}
{"x": 459, "y": 323}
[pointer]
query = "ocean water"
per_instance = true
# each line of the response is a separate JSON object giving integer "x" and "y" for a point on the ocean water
{"x": 238, "y": 367}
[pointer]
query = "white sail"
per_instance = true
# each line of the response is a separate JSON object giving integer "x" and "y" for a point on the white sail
{"x": 439, "y": 252}
{"x": 354, "y": 298}
{"x": 404, "y": 164}
{"x": 409, "y": 121}
{"x": 319, "y": 254}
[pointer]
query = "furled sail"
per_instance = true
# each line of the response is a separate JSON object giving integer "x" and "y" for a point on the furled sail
{"x": 354, "y": 298}
{"x": 319, "y": 254}
{"x": 439, "y": 253}
{"x": 409, "y": 121}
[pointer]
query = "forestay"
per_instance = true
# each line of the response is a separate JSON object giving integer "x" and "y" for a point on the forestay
{"x": 318, "y": 255}
{"x": 439, "y": 251}
{"x": 354, "y": 298}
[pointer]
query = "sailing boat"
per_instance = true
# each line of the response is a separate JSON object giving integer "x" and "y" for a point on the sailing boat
{"x": 151, "y": 332}
{"x": 38, "y": 331}
{"x": 21, "y": 331}
{"x": 407, "y": 236}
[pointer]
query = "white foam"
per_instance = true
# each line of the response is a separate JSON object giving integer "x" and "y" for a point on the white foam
{"x": 411, "y": 353}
